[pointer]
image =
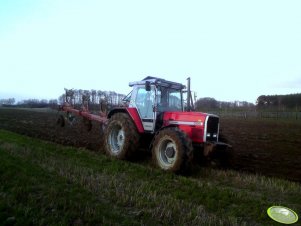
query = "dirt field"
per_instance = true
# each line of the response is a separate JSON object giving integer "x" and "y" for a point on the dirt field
{"x": 266, "y": 147}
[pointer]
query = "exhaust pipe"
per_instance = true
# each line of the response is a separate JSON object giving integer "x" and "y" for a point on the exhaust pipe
{"x": 190, "y": 105}
{"x": 188, "y": 95}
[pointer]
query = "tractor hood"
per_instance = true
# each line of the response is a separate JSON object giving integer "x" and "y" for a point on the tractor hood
{"x": 200, "y": 127}
{"x": 186, "y": 118}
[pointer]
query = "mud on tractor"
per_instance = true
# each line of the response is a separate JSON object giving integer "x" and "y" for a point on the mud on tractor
{"x": 154, "y": 115}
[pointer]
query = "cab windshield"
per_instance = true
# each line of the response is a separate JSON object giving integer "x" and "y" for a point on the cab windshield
{"x": 169, "y": 99}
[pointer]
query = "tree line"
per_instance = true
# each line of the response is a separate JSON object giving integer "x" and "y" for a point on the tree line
{"x": 8, "y": 101}
{"x": 29, "y": 103}
{"x": 93, "y": 97}
{"x": 279, "y": 102}
{"x": 209, "y": 103}
{"x": 289, "y": 102}
{"x": 264, "y": 102}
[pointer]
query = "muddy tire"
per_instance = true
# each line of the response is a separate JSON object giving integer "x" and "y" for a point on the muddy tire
{"x": 87, "y": 124}
{"x": 121, "y": 137}
{"x": 172, "y": 151}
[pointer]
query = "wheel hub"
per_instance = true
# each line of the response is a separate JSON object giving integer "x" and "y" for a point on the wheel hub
{"x": 120, "y": 138}
{"x": 170, "y": 152}
{"x": 116, "y": 139}
{"x": 167, "y": 153}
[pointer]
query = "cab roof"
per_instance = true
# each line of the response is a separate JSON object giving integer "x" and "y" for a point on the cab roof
{"x": 158, "y": 82}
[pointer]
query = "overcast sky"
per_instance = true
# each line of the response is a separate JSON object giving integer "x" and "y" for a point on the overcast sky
{"x": 232, "y": 50}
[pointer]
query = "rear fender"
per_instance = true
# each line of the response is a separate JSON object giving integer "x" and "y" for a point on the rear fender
{"x": 133, "y": 113}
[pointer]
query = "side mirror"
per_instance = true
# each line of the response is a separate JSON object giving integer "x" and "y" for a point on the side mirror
{"x": 147, "y": 86}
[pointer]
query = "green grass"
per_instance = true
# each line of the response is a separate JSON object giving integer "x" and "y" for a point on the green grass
{"x": 48, "y": 184}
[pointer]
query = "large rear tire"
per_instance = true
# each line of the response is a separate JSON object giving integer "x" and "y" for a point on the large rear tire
{"x": 87, "y": 124}
{"x": 172, "y": 150}
{"x": 121, "y": 137}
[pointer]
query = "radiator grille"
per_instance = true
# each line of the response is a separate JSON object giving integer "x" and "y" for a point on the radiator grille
{"x": 212, "y": 128}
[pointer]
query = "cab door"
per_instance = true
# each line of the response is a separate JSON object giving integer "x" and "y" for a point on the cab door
{"x": 144, "y": 101}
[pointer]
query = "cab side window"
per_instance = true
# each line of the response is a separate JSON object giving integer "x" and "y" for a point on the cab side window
{"x": 145, "y": 102}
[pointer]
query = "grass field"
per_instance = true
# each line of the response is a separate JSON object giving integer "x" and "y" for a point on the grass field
{"x": 43, "y": 183}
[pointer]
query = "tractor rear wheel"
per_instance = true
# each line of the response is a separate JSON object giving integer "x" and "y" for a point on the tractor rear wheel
{"x": 172, "y": 150}
{"x": 121, "y": 137}
{"x": 87, "y": 124}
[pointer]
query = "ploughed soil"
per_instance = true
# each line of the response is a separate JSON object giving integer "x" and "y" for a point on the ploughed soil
{"x": 262, "y": 146}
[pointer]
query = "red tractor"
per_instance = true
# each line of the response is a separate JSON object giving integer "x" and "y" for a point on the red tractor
{"x": 154, "y": 114}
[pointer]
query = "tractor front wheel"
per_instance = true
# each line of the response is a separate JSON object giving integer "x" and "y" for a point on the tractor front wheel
{"x": 121, "y": 137}
{"x": 172, "y": 150}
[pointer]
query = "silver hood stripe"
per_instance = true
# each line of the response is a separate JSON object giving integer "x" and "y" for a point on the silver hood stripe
{"x": 172, "y": 122}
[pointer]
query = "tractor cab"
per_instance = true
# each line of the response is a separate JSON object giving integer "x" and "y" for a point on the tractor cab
{"x": 153, "y": 96}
